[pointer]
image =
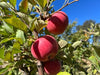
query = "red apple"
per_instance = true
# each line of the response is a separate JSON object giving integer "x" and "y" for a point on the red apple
{"x": 52, "y": 67}
{"x": 44, "y": 48}
{"x": 57, "y": 23}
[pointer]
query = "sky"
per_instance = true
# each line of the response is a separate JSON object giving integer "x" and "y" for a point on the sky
{"x": 80, "y": 11}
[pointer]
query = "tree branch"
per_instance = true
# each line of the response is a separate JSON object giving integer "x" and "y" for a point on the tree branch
{"x": 39, "y": 63}
{"x": 65, "y": 6}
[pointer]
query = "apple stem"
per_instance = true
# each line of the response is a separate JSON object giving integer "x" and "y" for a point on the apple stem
{"x": 39, "y": 63}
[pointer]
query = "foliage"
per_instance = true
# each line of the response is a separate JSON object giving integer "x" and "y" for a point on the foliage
{"x": 76, "y": 54}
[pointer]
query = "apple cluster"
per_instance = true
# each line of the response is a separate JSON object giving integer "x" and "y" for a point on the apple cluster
{"x": 45, "y": 48}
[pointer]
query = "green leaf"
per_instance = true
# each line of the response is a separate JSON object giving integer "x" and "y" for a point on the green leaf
{"x": 25, "y": 17}
{"x": 6, "y": 40}
{"x": 20, "y": 34}
{"x": 77, "y": 43}
{"x": 2, "y": 70}
{"x": 16, "y": 48}
{"x": 1, "y": 63}
{"x": 97, "y": 49}
{"x": 94, "y": 61}
{"x": 8, "y": 56}
{"x": 13, "y": 2}
{"x": 16, "y": 22}
{"x": 62, "y": 43}
{"x": 3, "y": 32}
{"x": 23, "y": 6}
{"x": 1, "y": 53}
{"x": 32, "y": 2}
{"x": 8, "y": 27}
{"x": 5, "y": 69}
{"x": 42, "y": 3}
{"x": 39, "y": 25}
{"x": 63, "y": 73}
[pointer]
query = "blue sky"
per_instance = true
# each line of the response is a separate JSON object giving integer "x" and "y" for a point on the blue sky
{"x": 80, "y": 11}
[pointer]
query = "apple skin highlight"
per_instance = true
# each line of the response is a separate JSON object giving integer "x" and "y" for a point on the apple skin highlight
{"x": 44, "y": 48}
{"x": 57, "y": 23}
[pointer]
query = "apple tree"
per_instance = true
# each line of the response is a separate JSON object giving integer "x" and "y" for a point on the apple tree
{"x": 30, "y": 43}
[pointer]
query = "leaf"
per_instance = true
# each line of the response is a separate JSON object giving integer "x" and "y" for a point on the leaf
{"x": 96, "y": 33}
{"x": 32, "y": 2}
{"x": 97, "y": 49}
{"x": 1, "y": 63}
{"x": 6, "y": 40}
{"x": 23, "y": 6}
{"x": 77, "y": 43}
{"x": 16, "y": 48}
{"x": 1, "y": 53}
{"x": 4, "y": 5}
{"x": 63, "y": 73}
{"x": 62, "y": 43}
{"x": 20, "y": 34}
{"x": 42, "y": 3}
{"x": 3, "y": 32}
{"x": 94, "y": 61}
{"x": 39, "y": 25}
{"x": 25, "y": 17}
{"x": 8, "y": 27}
{"x": 8, "y": 56}
{"x": 13, "y": 2}
{"x": 2, "y": 70}
{"x": 16, "y": 22}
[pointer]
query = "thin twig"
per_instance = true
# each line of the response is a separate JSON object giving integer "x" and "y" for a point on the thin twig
{"x": 64, "y": 6}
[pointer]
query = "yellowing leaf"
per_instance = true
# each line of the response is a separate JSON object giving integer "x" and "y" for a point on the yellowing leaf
{"x": 13, "y": 2}
{"x": 62, "y": 43}
{"x": 23, "y": 6}
{"x": 42, "y": 3}
{"x": 63, "y": 73}
{"x": 16, "y": 22}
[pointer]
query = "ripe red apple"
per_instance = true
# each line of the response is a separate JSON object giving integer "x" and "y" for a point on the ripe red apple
{"x": 52, "y": 67}
{"x": 44, "y": 48}
{"x": 57, "y": 23}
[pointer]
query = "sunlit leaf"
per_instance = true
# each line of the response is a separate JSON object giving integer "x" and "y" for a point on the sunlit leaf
{"x": 63, "y": 73}
{"x": 77, "y": 43}
{"x": 16, "y": 48}
{"x": 13, "y": 2}
{"x": 8, "y": 27}
{"x": 42, "y": 3}
{"x": 16, "y": 22}
{"x": 62, "y": 43}
{"x": 6, "y": 40}
{"x": 94, "y": 61}
{"x": 4, "y": 5}
{"x": 24, "y": 6}
{"x": 20, "y": 34}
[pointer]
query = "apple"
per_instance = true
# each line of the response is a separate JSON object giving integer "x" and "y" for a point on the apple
{"x": 52, "y": 67}
{"x": 57, "y": 23}
{"x": 44, "y": 48}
